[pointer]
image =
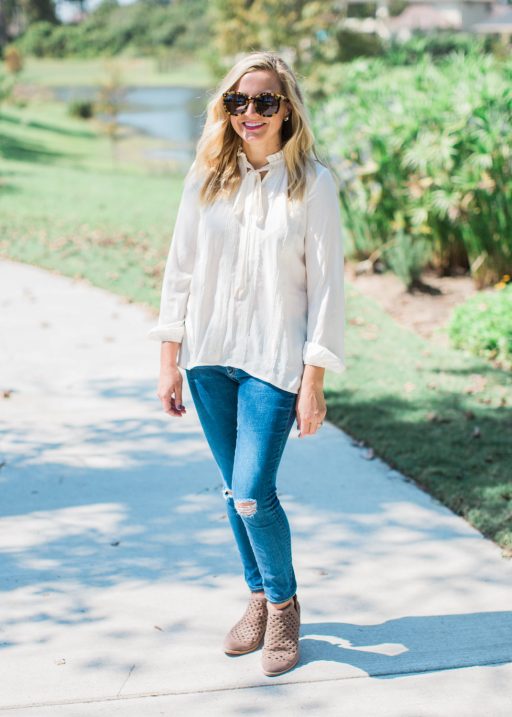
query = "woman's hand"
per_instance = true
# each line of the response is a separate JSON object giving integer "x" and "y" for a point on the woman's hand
{"x": 171, "y": 382}
{"x": 310, "y": 408}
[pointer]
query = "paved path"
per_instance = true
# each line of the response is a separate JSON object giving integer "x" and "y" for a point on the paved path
{"x": 119, "y": 575}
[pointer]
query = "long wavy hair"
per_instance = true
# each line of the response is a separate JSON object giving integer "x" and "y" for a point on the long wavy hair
{"x": 216, "y": 155}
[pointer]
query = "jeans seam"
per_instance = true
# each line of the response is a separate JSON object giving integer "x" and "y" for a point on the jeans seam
{"x": 285, "y": 435}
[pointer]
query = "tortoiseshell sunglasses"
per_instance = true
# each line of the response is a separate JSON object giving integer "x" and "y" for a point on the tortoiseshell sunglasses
{"x": 266, "y": 103}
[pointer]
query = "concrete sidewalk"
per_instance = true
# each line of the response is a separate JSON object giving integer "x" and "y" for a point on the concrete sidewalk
{"x": 120, "y": 576}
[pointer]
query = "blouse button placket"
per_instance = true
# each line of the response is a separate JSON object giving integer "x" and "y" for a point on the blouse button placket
{"x": 246, "y": 236}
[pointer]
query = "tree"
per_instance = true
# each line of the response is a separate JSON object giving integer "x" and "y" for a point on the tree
{"x": 23, "y": 13}
{"x": 246, "y": 25}
{"x": 7, "y": 9}
{"x": 35, "y": 10}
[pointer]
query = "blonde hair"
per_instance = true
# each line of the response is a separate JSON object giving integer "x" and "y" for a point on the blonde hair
{"x": 217, "y": 148}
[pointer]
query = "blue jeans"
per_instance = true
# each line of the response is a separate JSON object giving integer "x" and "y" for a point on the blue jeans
{"x": 246, "y": 422}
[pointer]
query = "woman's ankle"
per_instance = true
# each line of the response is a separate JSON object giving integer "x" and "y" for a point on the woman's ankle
{"x": 281, "y": 605}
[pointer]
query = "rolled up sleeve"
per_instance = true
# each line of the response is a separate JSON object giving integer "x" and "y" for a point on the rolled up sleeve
{"x": 179, "y": 265}
{"x": 324, "y": 258}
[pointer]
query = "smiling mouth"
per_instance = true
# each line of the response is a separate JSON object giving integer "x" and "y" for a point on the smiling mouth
{"x": 253, "y": 125}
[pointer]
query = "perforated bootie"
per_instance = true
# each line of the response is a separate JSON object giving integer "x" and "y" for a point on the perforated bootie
{"x": 281, "y": 646}
{"x": 247, "y": 634}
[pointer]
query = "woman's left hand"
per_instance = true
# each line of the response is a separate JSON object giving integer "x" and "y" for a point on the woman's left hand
{"x": 310, "y": 408}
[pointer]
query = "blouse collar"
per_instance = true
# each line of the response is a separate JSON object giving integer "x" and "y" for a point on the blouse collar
{"x": 251, "y": 183}
{"x": 271, "y": 159}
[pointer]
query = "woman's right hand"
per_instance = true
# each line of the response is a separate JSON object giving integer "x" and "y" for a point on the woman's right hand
{"x": 170, "y": 391}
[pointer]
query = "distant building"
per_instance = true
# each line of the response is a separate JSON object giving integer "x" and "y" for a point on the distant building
{"x": 498, "y": 22}
{"x": 459, "y": 15}
{"x": 431, "y": 15}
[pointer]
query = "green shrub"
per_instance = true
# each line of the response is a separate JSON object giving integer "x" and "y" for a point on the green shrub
{"x": 407, "y": 256}
{"x": 45, "y": 39}
{"x": 483, "y": 325}
{"x": 83, "y": 109}
{"x": 110, "y": 29}
{"x": 357, "y": 44}
{"x": 37, "y": 40}
{"x": 430, "y": 144}
{"x": 435, "y": 46}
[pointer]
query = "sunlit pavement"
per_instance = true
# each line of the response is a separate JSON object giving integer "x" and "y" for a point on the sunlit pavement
{"x": 120, "y": 577}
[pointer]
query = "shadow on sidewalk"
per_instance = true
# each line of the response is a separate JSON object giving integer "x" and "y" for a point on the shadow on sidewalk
{"x": 411, "y": 644}
{"x": 137, "y": 500}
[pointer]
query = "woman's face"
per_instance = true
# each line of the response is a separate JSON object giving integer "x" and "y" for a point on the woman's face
{"x": 268, "y": 133}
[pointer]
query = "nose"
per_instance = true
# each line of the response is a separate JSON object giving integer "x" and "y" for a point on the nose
{"x": 248, "y": 110}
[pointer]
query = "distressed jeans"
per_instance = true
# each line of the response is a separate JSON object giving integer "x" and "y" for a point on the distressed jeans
{"x": 246, "y": 422}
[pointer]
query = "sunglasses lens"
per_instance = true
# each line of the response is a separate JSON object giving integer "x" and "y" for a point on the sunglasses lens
{"x": 236, "y": 104}
{"x": 267, "y": 105}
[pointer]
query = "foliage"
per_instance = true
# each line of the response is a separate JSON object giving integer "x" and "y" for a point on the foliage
{"x": 483, "y": 324}
{"x": 313, "y": 31}
{"x": 13, "y": 59}
{"x": 283, "y": 25}
{"x": 6, "y": 86}
{"x": 407, "y": 256}
{"x": 347, "y": 44}
{"x": 40, "y": 40}
{"x": 357, "y": 44}
{"x": 36, "y": 10}
{"x": 424, "y": 151}
{"x": 110, "y": 29}
{"x": 435, "y": 45}
{"x": 83, "y": 109}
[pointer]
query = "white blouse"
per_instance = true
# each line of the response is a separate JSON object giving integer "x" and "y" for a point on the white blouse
{"x": 254, "y": 282}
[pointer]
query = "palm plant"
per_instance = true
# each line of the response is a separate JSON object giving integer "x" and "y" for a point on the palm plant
{"x": 430, "y": 145}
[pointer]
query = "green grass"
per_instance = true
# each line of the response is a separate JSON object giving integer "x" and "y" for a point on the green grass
{"x": 135, "y": 71}
{"x": 64, "y": 206}
{"x": 442, "y": 417}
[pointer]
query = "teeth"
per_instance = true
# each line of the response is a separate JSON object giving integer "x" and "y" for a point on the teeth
{"x": 254, "y": 124}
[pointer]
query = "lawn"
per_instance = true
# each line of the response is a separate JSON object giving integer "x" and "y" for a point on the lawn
{"x": 139, "y": 71}
{"x": 440, "y": 416}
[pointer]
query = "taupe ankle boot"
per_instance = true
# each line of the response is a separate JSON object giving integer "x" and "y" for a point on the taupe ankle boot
{"x": 247, "y": 634}
{"x": 281, "y": 646}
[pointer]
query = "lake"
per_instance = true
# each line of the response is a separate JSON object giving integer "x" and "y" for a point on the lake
{"x": 173, "y": 114}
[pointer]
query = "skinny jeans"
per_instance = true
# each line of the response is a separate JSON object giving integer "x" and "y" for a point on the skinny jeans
{"x": 246, "y": 422}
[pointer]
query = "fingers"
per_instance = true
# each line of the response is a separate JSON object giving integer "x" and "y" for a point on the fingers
{"x": 170, "y": 392}
{"x": 178, "y": 399}
{"x": 308, "y": 428}
{"x": 172, "y": 405}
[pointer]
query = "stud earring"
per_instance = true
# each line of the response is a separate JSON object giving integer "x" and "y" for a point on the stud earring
{"x": 287, "y": 118}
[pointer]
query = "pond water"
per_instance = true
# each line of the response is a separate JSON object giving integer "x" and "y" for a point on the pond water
{"x": 173, "y": 114}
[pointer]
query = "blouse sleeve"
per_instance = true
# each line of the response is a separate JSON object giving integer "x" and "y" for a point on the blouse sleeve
{"x": 324, "y": 256}
{"x": 179, "y": 265}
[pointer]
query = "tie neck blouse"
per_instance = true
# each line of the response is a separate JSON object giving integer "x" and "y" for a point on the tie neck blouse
{"x": 255, "y": 281}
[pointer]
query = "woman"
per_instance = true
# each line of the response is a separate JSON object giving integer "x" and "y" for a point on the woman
{"x": 252, "y": 309}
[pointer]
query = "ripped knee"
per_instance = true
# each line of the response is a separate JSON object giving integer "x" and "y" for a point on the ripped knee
{"x": 246, "y": 507}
